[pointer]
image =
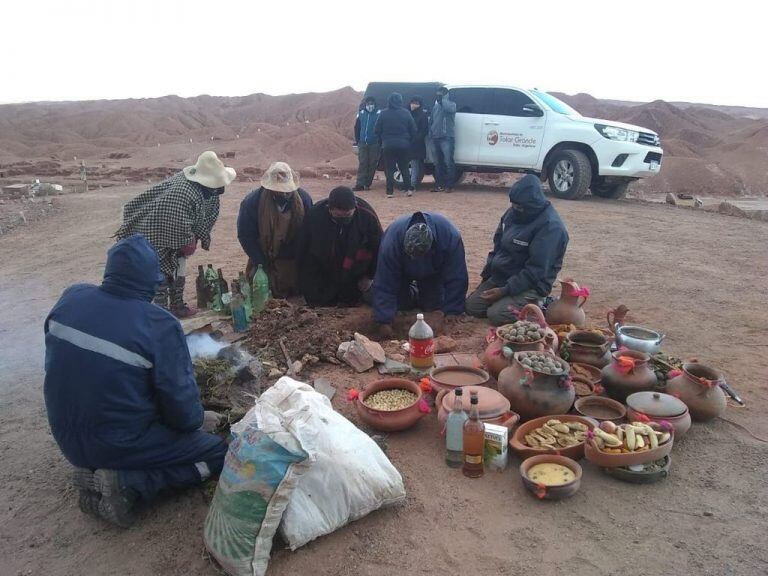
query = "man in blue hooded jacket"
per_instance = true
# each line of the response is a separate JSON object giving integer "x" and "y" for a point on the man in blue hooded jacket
{"x": 528, "y": 250}
{"x": 421, "y": 265}
{"x": 120, "y": 391}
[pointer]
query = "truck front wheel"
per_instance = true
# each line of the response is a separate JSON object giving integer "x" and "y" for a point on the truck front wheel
{"x": 612, "y": 189}
{"x": 570, "y": 174}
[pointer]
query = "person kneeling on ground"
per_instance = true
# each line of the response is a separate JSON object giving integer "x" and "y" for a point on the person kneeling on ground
{"x": 120, "y": 390}
{"x": 528, "y": 250}
{"x": 338, "y": 250}
{"x": 173, "y": 216}
{"x": 269, "y": 225}
{"x": 421, "y": 265}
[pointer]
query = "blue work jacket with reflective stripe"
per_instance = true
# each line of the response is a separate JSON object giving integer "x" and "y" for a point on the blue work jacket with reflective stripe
{"x": 115, "y": 363}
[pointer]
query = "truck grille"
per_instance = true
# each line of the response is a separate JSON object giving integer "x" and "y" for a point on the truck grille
{"x": 648, "y": 139}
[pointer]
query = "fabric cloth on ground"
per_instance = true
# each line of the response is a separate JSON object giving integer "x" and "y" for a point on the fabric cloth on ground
{"x": 333, "y": 257}
{"x": 502, "y": 311}
{"x": 441, "y": 274}
{"x": 170, "y": 216}
{"x": 529, "y": 245}
{"x": 119, "y": 386}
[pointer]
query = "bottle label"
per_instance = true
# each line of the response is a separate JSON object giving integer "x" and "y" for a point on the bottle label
{"x": 422, "y": 348}
{"x": 473, "y": 459}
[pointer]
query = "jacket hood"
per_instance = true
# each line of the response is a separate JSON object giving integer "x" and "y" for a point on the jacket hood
{"x": 133, "y": 269}
{"x": 395, "y": 100}
{"x": 527, "y": 193}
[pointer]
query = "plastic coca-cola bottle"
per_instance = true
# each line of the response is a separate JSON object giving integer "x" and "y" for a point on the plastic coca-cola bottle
{"x": 422, "y": 344}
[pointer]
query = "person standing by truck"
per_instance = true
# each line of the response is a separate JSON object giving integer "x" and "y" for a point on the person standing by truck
{"x": 368, "y": 150}
{"x": 418, "y": 146}
{"x": 396, "y": 131}
{"x": 442, "y": 140}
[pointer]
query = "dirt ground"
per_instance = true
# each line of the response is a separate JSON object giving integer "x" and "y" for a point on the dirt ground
{"x": 699, "y": 277}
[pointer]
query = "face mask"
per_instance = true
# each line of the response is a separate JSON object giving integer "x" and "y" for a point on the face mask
{"x": 370, "y": 107}
{"x": 343, "y": 219}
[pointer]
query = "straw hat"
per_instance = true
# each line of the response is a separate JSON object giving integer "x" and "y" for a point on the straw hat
{"x": 280, "y": 178}
{"x": 210, "y": 171}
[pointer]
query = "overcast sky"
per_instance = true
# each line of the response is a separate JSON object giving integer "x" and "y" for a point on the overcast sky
{"x": 622, "y": 49}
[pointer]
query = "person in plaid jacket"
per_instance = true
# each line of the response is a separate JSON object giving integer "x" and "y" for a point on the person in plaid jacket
{"x": 174, "y": 216}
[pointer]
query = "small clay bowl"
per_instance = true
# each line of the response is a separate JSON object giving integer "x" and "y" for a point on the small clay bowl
{"x": 517, "y": 441}
{"x": 608, "y": 460}
{"x": 543, "y": 492}
{"x": 585, "y": 378}
{"x": 644, "y": 476}
{"x": 449, "y": 378}
{"x": 601, "y": 408}
{"x": 390, "y": 420}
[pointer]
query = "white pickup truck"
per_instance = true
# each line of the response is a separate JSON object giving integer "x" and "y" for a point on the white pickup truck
{"x": 505, "y": 129}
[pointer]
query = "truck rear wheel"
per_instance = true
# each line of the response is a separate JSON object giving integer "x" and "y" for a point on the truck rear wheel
{"x": 614, "y": 190}
{"x": 570, "y": 174}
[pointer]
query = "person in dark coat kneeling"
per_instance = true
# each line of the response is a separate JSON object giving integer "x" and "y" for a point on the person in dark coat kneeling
{"x": 528, "y": 250}
{"x": 120, "y": 389}
{"x": 421, "y": 265}
{"x": 338, "y": 250}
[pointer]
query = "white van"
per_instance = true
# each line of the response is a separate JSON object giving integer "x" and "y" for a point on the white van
{"x": 505, "y": 129}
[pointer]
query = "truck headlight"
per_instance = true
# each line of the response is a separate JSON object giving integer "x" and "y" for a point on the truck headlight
{"x": 616, "y": 133}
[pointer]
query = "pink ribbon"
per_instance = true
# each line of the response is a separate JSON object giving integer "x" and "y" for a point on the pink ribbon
{"x": 581, "y": 292}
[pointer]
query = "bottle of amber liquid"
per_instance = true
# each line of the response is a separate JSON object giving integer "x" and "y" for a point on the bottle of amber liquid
{"x": 474, "y": 441}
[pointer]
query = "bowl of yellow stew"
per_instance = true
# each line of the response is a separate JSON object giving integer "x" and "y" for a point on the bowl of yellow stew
{"x": 551, "y": 477}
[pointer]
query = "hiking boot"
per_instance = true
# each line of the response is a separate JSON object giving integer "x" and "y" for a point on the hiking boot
{"x": 179, "y": 308}
{"x": 88, "y": 502}
{"x": 448, "y": 190}
{"x": 390, "y": 194}
{"x": 117, "y": 503}
{"x": 161, "y": 296}
{"x": 82, "y": 478}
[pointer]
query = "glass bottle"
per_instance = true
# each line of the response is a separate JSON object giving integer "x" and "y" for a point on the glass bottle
{"x": 454, "y": 432}
{"x": 474, "y": 441}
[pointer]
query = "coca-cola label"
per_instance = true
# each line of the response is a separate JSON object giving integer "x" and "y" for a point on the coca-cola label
{"x": 422, "y": 348}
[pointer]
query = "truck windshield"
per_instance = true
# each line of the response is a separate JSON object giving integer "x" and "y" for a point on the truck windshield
{"x": 557, "y": 105}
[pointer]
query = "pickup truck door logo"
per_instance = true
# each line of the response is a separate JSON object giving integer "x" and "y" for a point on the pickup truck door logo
{"x": 493, "y": 138}
{"x": 515, "y": 140}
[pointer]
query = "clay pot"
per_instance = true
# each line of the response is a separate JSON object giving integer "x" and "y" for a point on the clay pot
{"x": 449, "y": 378}
{"x": 617, "y": 316}
{"x": 586, "y": 379}
{"x": 395, "y": 420}
{"x": 493, "y": 357}
{"x": 587, "y": 347}
{"x": 517, "y": 440}
{"x": 532, "y": 393}
{"x": 492, "y": 406}
{"x": 658, "y": 407}
{"x": 628, "y": 372}
{"x": 551, "y": 492}
{"x": 607, "y": 460}
{"x": 699, "y": 387}
{"x": 600, "y": 408}
{"x": 568, "y": 309}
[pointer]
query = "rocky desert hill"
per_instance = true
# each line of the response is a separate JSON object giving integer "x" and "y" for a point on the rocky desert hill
{"x": 710, "y": 150}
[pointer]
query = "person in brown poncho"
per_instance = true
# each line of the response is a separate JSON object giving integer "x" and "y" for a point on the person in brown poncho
{"x": 269, "y": 225}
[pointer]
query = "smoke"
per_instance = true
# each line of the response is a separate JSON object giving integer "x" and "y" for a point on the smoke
{"x": 203, "y": 346}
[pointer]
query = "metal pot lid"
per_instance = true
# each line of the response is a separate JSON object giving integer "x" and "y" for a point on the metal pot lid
{"x": 656, "y": 404}
{"x": 490, "y": 403}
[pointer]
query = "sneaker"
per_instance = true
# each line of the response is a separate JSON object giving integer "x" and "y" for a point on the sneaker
{"x": 367, "y": 187}
{"x": 358, "y": 188}
{"x": 448, "y": 190}
{"x": 409, "y": 193}
{"x": 116, "y": 503}
{"x": 390, "y": 194}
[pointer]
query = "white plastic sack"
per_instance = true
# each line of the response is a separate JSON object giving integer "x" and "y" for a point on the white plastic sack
{"x": 261, "y": 470}
{"x": 350, "y": 476}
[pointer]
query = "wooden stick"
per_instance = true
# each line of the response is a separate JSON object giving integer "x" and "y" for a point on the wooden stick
{"x": 287, "y": 358}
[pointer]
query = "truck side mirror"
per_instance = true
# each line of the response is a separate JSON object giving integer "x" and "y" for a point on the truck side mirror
{"x": 532, "y": 110}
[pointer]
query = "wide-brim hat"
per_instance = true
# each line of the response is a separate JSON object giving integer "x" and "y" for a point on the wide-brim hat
{"x": 210, "y": 171}
{"x": 280, "y": 178}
